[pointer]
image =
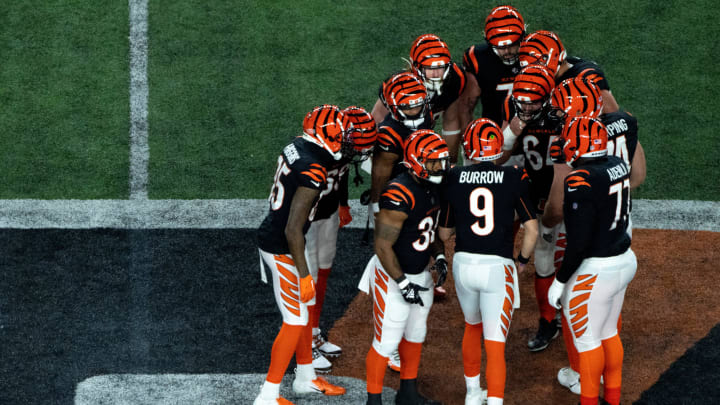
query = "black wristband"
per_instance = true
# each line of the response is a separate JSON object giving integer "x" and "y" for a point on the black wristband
{"x": 522, "y": 259}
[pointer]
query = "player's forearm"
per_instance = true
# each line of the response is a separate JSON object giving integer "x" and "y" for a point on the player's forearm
{"x": 530, "y": 235}
{"x": 296, "y": 244}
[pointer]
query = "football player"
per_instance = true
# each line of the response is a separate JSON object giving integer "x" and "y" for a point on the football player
{"x": 482, "y": 200}
{"x": 580, "y": 97}
{"x": 492, "y": 65}
{"x": 545, "y": 48}
{"x": 406, "y": 97}
{"x": 526, "y": 127}
{"x": 444, "y": 81}
{"x": 300, "y": 177}
{"x": 331, "y": 214}
{"x": 598, "y": 264}
{"x": 398, "y": 275}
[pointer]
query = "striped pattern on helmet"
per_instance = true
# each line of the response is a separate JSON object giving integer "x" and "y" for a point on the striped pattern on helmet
{"x": 365, "y": 133}
{"x": 577, "y": 96}
{"x": 504, "y": 26}
{"x": 584, "y": 137}
{"x": 404, "y": 90}
{"x": 542, "y": 47}
{"x": 429, "y": 50}
{"x": 421, "y": 146}
{"x": 533, "y": 84}
{"x": 483, "y": 140}
{"x": 327, "y": 127}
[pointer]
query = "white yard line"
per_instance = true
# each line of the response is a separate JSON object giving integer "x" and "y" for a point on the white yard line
{"x": 139, "y": 150}
{"x": 219, "y": 214}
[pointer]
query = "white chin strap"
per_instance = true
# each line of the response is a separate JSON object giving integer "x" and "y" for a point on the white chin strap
{"x": 435, "y": 179}
{"x": 506, "y": 61}
{"x": 434, "y": 85}
{"x": 413, "y": 124}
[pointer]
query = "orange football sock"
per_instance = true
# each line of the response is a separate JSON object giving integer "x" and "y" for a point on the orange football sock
{"x": 303, "y": 350}
{"x": 495, "y": 369}
{"x": 472, "y": 349}
{"x": 375, "y": 365}
{"x": 542, "y": 285}
{"x": 592, "y": 364}
{"x": 282, "y": 351}
{"x": 619, "y": 323}
{"x": 572, "y": 352}
{"x": 409, "y": 359}
{"x": 614, "y": 354}
{"x": 320, "y": 288}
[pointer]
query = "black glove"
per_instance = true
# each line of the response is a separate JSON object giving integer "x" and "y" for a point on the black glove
{"x": 410, "y": 291}
{"x": 556, "y": 150}
{"x": 441, "y": 267}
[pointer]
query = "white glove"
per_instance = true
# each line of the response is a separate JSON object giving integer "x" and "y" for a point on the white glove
{"x": 555, "y": 293}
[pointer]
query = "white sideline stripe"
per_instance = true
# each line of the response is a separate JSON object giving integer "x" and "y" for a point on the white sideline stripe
{"x": 139, "y": 149}
{"x": 223, "y": 214}
{"x": 177, "y": 389}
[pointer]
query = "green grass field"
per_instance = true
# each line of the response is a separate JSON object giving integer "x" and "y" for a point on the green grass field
{"x": 231, "y": 80}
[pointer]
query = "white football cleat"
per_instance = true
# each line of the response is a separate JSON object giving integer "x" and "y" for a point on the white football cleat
{"x": 326, "y": 348}
{"x": 394, "y": 361}
{"x": 569, "y": 378}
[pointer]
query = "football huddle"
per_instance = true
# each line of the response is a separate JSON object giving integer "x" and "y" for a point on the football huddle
{"x": 551, "y": 161}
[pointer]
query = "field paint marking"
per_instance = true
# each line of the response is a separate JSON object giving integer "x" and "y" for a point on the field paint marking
{"x": 216, "y": 389}
{"x": 237, "y": 213}
{"x": 139, "y": 149}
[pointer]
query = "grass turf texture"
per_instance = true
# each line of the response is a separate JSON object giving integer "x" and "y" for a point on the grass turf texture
{"x": 64, "y": 98}
{"x": 231, "y": 81}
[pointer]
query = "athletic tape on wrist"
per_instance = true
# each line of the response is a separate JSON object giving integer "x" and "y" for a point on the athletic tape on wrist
{"x": 454, "y": 132}
{"x": 375, "y": 207}
{"x": 509, "y": 138}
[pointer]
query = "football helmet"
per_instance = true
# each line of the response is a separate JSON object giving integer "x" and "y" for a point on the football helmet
{"x": 364, "y": 134}
{"x": 573, "y": 97}
{"x": 405, "y": 96}
{"x": 504, "y": 26}
{"x": 531, "y": 92}
{"x": 483, "y": 140}
{"x": 542, "y": 47}
{"x": 430, "y": 52}
{"x": 422, "y": 149}
{"x": 328, "y": 127}
{"x": 584, "y": 137}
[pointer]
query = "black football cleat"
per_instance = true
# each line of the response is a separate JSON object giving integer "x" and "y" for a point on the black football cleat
{"x": 547, "y": 331}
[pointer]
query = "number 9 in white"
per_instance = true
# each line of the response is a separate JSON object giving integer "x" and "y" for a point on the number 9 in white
{"x": 486, "y": 212}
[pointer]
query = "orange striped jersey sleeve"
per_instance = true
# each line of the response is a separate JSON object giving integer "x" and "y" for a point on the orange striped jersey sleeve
{"x": 461, "y": 76}
{"x": 397, "y": 197}
{"x": 577, "y": 179}
{"x": 389, "y": 140}
{"x": 508, "y": 109}
{"x": 313, "y": 176}
{"x": 470, "y": 61}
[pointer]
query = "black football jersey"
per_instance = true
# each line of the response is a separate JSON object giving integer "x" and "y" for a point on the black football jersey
{"x": 301, "y": 163}
{"x": 420, "y": 202}
{"x": 480, "y": 201}
{"x": 534, "y": 143}
{"x": 392, "y": 135}
{"x": 335, "y": 188}
{"x": 494, "y": 78}
{"x": 586, "y": 69}
{"x": 622, "y": 132}
{"x": 452, "y": 87}
{"x": 596, "y": 210}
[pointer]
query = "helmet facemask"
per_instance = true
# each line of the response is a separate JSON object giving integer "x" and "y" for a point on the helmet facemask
{"x": 407, "y": 115}
{"x": 435, "y": 83}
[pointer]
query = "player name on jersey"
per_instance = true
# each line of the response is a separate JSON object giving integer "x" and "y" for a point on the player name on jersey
{"x": 481, "y": 177}
{"x": 617, "y": 127}
{"x": 617, "y": 171}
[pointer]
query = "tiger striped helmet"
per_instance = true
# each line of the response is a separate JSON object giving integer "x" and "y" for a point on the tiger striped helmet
{"x": 430, "y": 52}
{"x": 483, "y": 140}
{"x": 327, "y": 127}
{"x": 403, "y": 93}
{"x": 584, "y": 137}
{"x": 542, "y": 47}
{"x": 531, "y": 92}
{"x": 573, "y": 97}
{"x": 364, "y": 134}
{"x": 422, "y": 147}
{"x": 504, "y": 26}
